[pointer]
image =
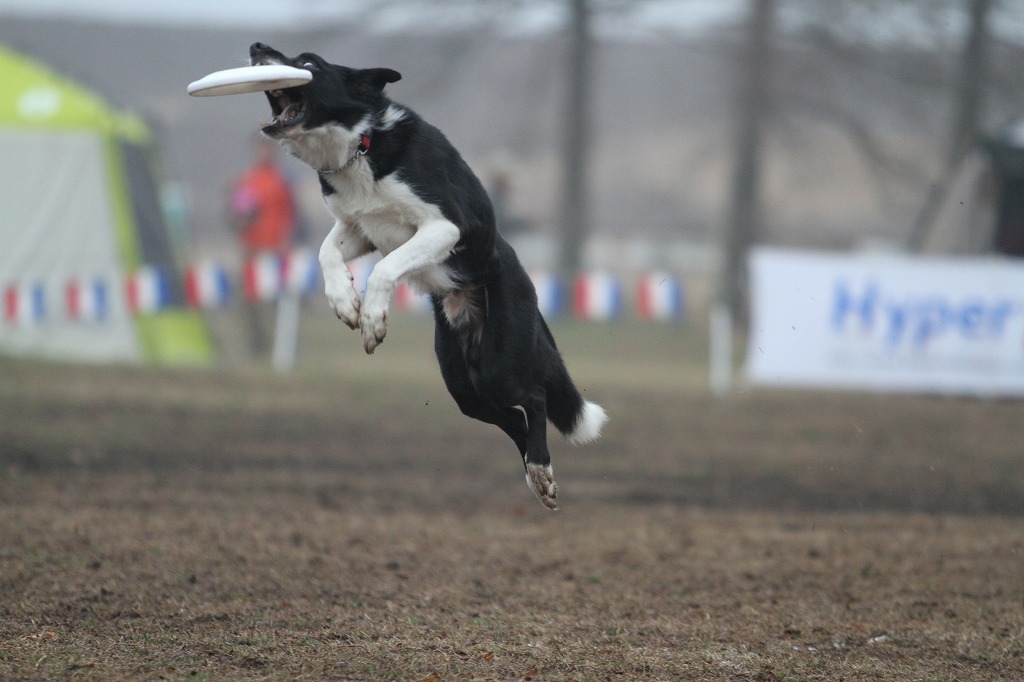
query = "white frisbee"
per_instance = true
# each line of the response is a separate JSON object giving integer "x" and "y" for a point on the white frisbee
{"x": 249, "y": 79}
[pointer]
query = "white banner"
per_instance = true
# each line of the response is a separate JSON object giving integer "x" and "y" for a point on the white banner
{"x": 886, "y": 322}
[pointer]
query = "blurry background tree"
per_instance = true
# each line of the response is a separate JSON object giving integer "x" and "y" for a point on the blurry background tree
{"x": 752, "y": 106}
{"x": 904, "y": 40}
{"x": 969, "y": 105}
{"x": 576, "y": 117}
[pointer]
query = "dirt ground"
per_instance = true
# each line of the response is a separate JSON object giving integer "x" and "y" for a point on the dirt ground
{"x": 346, "y": 522}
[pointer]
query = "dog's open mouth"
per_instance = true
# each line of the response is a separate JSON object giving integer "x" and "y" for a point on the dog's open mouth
{"x": 288, "y": 107}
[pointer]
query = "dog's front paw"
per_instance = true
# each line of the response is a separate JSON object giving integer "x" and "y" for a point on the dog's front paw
{"x": 373, "y": 320}
{"x": 343, "y": 299}
{"x": 541, "y": 480}
{"x": 374, "y": 325}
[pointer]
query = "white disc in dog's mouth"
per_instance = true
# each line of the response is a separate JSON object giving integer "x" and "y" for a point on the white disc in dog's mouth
{"x": 249, "y": 79}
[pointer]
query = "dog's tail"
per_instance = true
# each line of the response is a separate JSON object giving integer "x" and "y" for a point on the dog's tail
{"x": 579, "y": 420}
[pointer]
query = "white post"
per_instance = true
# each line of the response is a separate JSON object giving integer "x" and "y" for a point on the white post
{"x": 286, "y": 332}
{"x": 720, "y": 350}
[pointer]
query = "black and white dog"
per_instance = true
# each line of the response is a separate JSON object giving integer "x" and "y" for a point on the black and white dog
{"x": 396, "y": 185}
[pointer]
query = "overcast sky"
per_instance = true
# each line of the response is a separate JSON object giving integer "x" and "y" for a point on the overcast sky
{"x": 902, "y": 23}
{"x": 542, "y": 15}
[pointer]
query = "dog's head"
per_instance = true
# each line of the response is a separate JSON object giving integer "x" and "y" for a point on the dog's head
{"x": 337, "y": 96}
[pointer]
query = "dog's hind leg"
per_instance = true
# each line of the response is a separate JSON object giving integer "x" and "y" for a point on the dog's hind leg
{"x": 455, "y": 371}
{"x": 539, "y": 475}
{"x": 513, "y": 363}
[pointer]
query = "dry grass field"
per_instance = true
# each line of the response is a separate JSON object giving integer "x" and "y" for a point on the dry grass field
{"x": 346, "y": 522}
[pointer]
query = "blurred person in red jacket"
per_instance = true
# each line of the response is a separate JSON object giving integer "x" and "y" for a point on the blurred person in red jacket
{"x": 264, "y": 214}
{"x": 263, "y": 203}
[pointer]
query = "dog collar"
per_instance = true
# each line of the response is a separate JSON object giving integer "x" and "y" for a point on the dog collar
{"x": 364, "y": 146}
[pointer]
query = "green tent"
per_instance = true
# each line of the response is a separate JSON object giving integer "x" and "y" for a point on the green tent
{"x": 87, "y": 271}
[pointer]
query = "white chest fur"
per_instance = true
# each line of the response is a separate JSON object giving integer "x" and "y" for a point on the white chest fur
{"x": 387, "y": 213}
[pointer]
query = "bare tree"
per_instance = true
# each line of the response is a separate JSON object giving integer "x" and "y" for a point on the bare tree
{"x": 974, "y": 72}
{"x": 752, "y": 103}
{"x": 575, "y": 132}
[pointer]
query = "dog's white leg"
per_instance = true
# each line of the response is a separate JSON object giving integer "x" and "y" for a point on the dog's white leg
{"x": 340, "y": 246}
{"x": 431, "y": 245}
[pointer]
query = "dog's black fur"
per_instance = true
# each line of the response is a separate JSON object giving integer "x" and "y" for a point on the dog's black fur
{"x": 396, "y": 185}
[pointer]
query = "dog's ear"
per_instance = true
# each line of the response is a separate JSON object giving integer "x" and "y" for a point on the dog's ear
{"x": 378, "y": 78}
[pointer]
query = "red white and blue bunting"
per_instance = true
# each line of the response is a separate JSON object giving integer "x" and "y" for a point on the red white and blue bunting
{"x": 148, "y": 290}
{"x": 659, "y": 297}
{"x": 550, "y": 293}
{"x": 24, "y": 304}
{"x": 208, "y": 285}
{"x": 87, "y": 299}
{"x": 597, "y": 296}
